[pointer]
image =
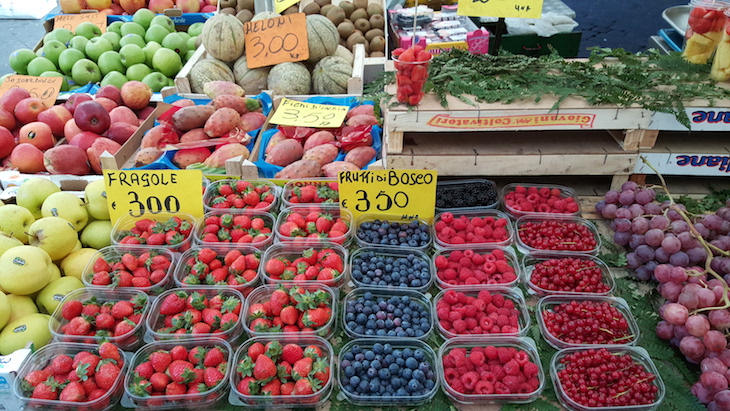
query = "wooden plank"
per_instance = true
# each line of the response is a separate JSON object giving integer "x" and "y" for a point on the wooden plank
{"x": 182, "y": 83}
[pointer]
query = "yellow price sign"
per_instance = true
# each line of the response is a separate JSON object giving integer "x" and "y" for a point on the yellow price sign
{"x": 71, "y": 21}
{"x": 297, "y": 113}
{"x": 281, "y": 5}
{"x": 531, "y": 9}
{"x": 403, "y": 194}
{"x": 149, "y": 192}
{"x": 44, "y": 88}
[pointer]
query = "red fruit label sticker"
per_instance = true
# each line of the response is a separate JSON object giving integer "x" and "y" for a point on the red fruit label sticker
{"x": 44, "y": 88}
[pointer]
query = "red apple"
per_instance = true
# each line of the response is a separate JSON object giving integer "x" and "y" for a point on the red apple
{"x": 123, "y": 114}
{"x": 136, "y": 94}
{"x": 75, "y": 99}
{"x": 10, "y": 99}
{"x": 56, "y": 117}
{"x": 111, "y": 92}
{"x": 94, "y": 152}
{"x": 66, "y": 159}
{"x": 144, "y": 113}
{"x": 37, "y": 133}
{"x": 7, "y": 142}
{"x": 84, "y": 139}
{"x": 117, "y": 10}
{"x": 27, "y": 109}
{"x": 27, "y": 158}
{"x": 108, "y": 104}
{"x": 120, "y": 132}
{"x": 70, "y": 129}
{"x": 208, "y": 9}
{"x": 92, "y": 116}
{"x": 130, "y": 6}
{"x": 7, "y": 119}
{"x": 159, "y": 6}
{"x": 188, "y": 6}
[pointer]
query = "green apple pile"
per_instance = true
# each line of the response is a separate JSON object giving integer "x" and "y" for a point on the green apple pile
{"x": 46, "y": 240}
{"x": 146, "y": 49}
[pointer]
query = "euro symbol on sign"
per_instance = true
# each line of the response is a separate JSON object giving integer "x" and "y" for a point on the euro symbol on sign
{"x": 114, "y": 205}
{"x": 480, "y": 1}
{"x": 344, "y": 203}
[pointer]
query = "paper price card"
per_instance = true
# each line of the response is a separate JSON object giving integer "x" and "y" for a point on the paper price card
{"x": 44, "y": 88}
{"x": 70, "y": 21}
{"x": 401, "y": 194}
{"x": 531, "y": 9}
{"x": 278, "y": 40}
{"x": 297, "y": 113}
{"x": 148, "y": 192}
{"x": 281, "y": 5}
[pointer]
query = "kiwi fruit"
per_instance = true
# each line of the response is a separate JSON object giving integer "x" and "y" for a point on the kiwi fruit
{"x": 348, "y": 21}
{"x": 362, "y": 25}
{"x": 345, "y": 29}
{"x": 377, "y": 43}
{"x": 323, "y": 2}
{"x": 377, "y": 21}
{"x": 291, "y": 10}
{"x": 244, "y": 15}
{"x": 355, "y": 38}
{"x": 311, "y": 8}
{"x": 228, "y": 3}
{"x": 229, "y": 10}
{"x": 372, "y": 33}
{"x": 348, "y": 7}
{"x": 360, "y": 4}
{"x": 244, "y": 5}
{"x": 376, "y": 54}
{"x": 326, "y": 9}
{"x": 336, "y": 15}
{"x": 374, "y": 9}
{"x": 358, "y": 14}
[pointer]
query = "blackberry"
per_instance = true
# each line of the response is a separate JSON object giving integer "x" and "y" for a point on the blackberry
{"x": 470, "y": 194}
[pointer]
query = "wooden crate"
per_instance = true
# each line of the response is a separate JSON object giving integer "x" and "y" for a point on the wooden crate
{"x": 182, "y": 80}
{"x": 503, "y": 153}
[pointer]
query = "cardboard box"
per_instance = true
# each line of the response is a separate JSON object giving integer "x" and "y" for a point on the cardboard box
{"x": 9, "y": 366}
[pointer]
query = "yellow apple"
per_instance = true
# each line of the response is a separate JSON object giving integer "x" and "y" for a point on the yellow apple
{"x": 95, "y": 196}
{"x": 98, "y": 4}
{"x": 54, "y": 235}
{"x": 73, "y": 265}
{"x": 52, "y": 294}
{"x": 30, "y": 328}
{"x": 24, "y": 270}
{"x": 97, "y": 234}
{"x": 33, "y": 192}
{"x": 7, "y": 242}
{"x": 4, "y": 310}
{"x": 20, "y": 306}
{"x": 55, "y": 272}
{"x": 16, "y": 220}
{"x": 67, "y": 206}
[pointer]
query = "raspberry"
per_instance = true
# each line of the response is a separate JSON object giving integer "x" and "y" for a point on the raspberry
{"x": 498, "y": 300}
{"x": 530, "y": 369}
{"x": 526, "y": 388}
{"x": 522, "y": 358}
{"x": 488, "y": 376}
{"x": 441, "y": 262}
{"x": 504, "y": 354}
{"x": 450, "y": 297}
{"x": 443, "y": 313}
{"x": 454, "y": 316}
{"x": 502, "y": 320}
{"x": 456, "y": 256}
{"x": 476, "y": 358}
{"x": 458, "y": 352}
{"x": 470, "y": 379}
{"x": 491, "y": 352}
{"x": 477, "y": 259}
{"x": 459, "y": 326}
{"x": 470, "y": 311}
{"x": 500, "y": 388}
{"x": 484, "y": 387}
{"x": 471, "y": 323}
{"x": 450, "y": 373}
{"x": 512, "y": 383}
{"x": 466, "y": 261}
{"x": 449, "y": 274}
{"x": 457, "y": 385}
{"x": 512, "y": 367}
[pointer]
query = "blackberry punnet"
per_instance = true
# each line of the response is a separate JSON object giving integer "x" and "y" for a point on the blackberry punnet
{"x": 471, "y": 194}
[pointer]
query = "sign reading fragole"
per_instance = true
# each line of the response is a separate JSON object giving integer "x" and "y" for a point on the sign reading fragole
{"x": 70, "y": 21}
{"x": 281, "y": 5}
{"x": 44, "y": 88}
{"x": 297, "y": 113}
{"x": 531, "y": 9}
{"x": 402, "y": 194}
{"x": 278, "y": 40}
{"x": 149, "y": 192}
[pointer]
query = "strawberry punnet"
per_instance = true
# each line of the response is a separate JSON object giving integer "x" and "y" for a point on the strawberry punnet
{"x": 240, "y": 194}
{"x": 173, "y": 233}
{"x": 210, "y": 266}
{"x": 183, "y": 313}
{"x": 293, "y": 309}
{"x": 324, "y": 264}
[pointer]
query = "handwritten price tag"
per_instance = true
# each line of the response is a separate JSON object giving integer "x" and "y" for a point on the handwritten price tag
{"x": 403, "y": 194}
{"x": 70, "y": 21}
{"x": 44, "y": 88}
{"x": 531, "y": 9}
{"x": 297, "y": 113}
{"x": 149, "y": 192}
{"x": 278, "y": 40}
{"x": 281, "y": 5}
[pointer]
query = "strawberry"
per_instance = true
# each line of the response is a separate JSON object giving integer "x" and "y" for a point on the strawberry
{"x": 313, "y": 351}
{"x": 305, "y": 386}
{"x": 273, "y": 387}
{"x": 156, "y": 239}
{"x": 331, "y": 259}
{"x": 248, "y": 386}
{"x": 106, "y": 375}
{"x": 71, "y": 309}
{"x": 159, "y": 381}
{"x": 177, "y": 370}
{"x": 160, "y": 360}
{"x": 36, "y": 377}
{"x": 264, "y": 368}
{"x": 212, "y": 377}
{"x": 323, "y": 223}
{"x": 289, "y": 315}
{"x": 173, "y": 303}
{"x": 46, "y": 390}
{"x": 122, "y": 309}
{"x": 292, "y": 353}
{"x": 278, "y": 300}
{"x": 214, "y": 357}
{"x": 196, "y": 355}
{"x": 255, "y": 350}
{"x": 321, "y": 370}
{"x": 124, "y": 327}
{"x": 73, "y": 392}
{"x": 302, "y": 368}
{"x": 175, "y": 388}
{"x": 179, "y": 352}
{"x": 275, "y": 266}
{"x": 61, "y": 364}
{"x": 144, "y": 369}
{"x": 316, "y": 318}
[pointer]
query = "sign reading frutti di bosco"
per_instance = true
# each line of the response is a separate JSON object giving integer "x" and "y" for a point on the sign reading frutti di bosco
{"x": 516, "y": 121}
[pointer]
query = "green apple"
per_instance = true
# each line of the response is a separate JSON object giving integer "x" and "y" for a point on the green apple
{"x": 143, "y": 17}
{"x": 110, "y": 61}
{"x": 68, "y": 206}
{"x": 53, "y": 49}
{"x": 184, "y": 35}
{"x": 24, "y": 269}
{"x": 115, "y": 78}
{"x": 67, "y": 59}
{"x": 64, "y": 85}
{"x": 156, "y": 33}
{"x": 170, "y": 82}
{"x": 167, "y": 62}
{"x": 7, "y": 242}
{"x": 131, "y": 27}
{"x": 195, "y": 29}
{"x": 61, "y": 34}
{"x": 32, "y": 328}
{"x": 54, "y": 235}
{"x": 16, "y": 220}
{"x": 149, "y": 51}
{"x": 88, "y": 30}
{"x": 131, "y": 54}
{"x": 188, "y": 55}
{"x": 96, "y": 47}
{"x": 115, "y": 27}
{"x": 164, "y": 21}
{"x": 156, "y": 81}
{"x": 84, "y": 72}
{"x": 138, "y": 71}
{"x": 132, "y": 39}
{"x": 51, "y": 295}
{"x": 73, "y": 265}
{"x": 4, "y": 76}
{"x": 175, "y": 42}
{"x": 79, "y": 43}
{"x": 19, "y": 60}
{"x": 97, "y": 234}
{"x": 40, "y": 64}
{"x": 96, "y": 202}
{"x": 33, "y": 192}
{"x": 113, "y": 38}
{"x": 191, "y": 43}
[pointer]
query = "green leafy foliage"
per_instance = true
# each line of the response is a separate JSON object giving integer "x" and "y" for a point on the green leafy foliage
{"x": 707, "y": 204}
{"x": 612, "y": 254}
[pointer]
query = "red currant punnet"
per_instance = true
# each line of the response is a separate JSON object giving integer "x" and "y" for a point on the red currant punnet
{"x": 568, "y": 275}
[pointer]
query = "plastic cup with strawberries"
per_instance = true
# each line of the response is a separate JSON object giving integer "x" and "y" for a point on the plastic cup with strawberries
{"x": 203, "y": 267}
{"x": 233, "y": 228}
{"x": 411, "y": 73}
{"x": 704, "y": 29}
{"x": 310, "y": 190}
{"x": 324, "y": 263}
{"x": 121, "y": 267}
{"x": 311, "y": 224}
{"x": 236, "y": 194}
{"x": 172, "y": 231}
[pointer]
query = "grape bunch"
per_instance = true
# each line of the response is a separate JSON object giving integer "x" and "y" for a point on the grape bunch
{"x": 670, "y": 245}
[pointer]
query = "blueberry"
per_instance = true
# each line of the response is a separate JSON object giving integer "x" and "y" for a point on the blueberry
{"x": 369, "y": 355}
{"x": 413, "y": 386}
{"x": 349, "y": 372}
{"x": 372, "y": 372}
{"x": 393, "y": 368}
{"x": 411, "y": 363}
{"x": 354, "y": 381}
{"x": 387, "y": 349}
{"x": 356, "y": 349}
{"x": 364, "y": 386}
{"x": 349, "y": 356}
{"x": 406, "y": 373}
{"x": 419, "y": 375}
{"x": 377, "y": 348}
{"x": 384, "y": 374}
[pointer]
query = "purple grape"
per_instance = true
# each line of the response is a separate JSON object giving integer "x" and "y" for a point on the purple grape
{"x": 645, "y": 196}
{"x": 651, "y": 266}
{"x": 611, "y": 196}
{"x": 632, "y": 261}
{"x": 671, "y": 244}
{"x": 724, "y": 213}
{"x": 627, "y": 197}
{"x": 662, "y": 272}
{"x": 678, "y": 226}
{"x": 652, "y": 209}
{"x": 703, "y": 230}
{"x": 600, "y": 206}
{"x": 644, "y": 253}
{"x": 629, "y": 185}
{"x": 722, "y": 398}
{"x": 659, "y": 221}
{"x": 712, "y": 222}
{"x": 621, "y": 238}
{"x": 609, "y": 211}
{"x": 664, "y": 330}
{"x": 725, "y": 265}
{"x": 687, "y": 240}
{"x": 654, "y": 237}
{"x": 697, "y": 255}
{"x": 679, "y": 258}
{"x": 622, "y": 224}
{"x": 642, "y": 274}
{"x": 678, "y": 274}
{"x": 636, "y": 210}
{"x": 673, "y": 215}
{"x": 636, "y": 240}
{"x": 724, "y": 228}
{"x": 639, "y": 225}
{"x": 623, "y": 212}
{"x": 661, "y": 256}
